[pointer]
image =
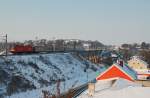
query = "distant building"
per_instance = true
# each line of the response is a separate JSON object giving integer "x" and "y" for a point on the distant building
{"x": 118, "y": 71}
{"x": 140, "y": 66}
{"x": 137, "y": 64}
{"x": 105, "y": 54}
{"x": 86, "y": 46}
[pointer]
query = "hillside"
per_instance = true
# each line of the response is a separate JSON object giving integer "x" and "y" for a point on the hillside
{"x": 33, "y": 73}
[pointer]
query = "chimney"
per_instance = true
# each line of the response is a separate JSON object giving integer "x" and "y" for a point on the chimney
{"x": 91, "y": 89}
{"x": 121, "y": 63}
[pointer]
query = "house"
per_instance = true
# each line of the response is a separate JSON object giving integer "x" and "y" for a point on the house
{"x": 118, "y": 71}
{"x": 116, "y": 81}
{"x": 115, "y": 78}
{"x": 136, "y": 63}
{"x": 140, "y": 66}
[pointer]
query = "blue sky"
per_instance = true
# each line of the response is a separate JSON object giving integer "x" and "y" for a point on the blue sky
{"x": 109, "y": 21}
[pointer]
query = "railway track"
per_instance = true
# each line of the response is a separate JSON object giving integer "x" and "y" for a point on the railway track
{"x": 61, "y": 51}
{"x": 76, "y": 91}
{"x": 37, "y": 53}
{"x": 73, "y": 93}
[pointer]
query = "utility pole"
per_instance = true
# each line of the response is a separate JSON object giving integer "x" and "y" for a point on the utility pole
{"x": 54, "y": 43}
{"x": 64, "y": 46}
{"x": 58, "y": 88}
{"x": 6, "y": 45}
{"x": 74, "y": 45}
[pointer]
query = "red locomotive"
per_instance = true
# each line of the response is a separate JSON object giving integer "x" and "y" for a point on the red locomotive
{"x": 22, "y": 49}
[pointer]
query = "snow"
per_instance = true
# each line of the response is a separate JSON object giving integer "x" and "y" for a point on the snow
{"x": 123, "y": 83}
{"x": 129, "y": 92}
{"x": 121, "y": 88}
{"x": 48, "y": 67}
{"x": 2, "y": 53}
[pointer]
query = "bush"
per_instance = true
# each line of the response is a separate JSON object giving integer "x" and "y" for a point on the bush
{"x": 34, "y": 65}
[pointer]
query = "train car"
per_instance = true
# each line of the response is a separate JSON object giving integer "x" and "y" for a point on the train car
{"x": 22, "y": 49}
{"x": 41, "y": 48}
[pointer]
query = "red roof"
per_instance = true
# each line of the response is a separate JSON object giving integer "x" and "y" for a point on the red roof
{"x": 114, "y": 71}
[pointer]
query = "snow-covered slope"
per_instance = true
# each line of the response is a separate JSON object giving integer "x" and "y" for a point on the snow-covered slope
{"x": 33, "y": 73}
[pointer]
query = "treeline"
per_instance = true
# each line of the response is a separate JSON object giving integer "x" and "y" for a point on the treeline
{"x": 142, "y": 45}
